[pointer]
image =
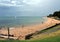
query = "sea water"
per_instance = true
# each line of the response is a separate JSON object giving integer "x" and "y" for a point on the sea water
{"x": 11, "y": 21}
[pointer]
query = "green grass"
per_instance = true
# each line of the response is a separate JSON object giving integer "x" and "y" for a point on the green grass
{"x": 51, "y": 39}
{"x": 47, "y": 33}
{"x": 51, "y": 29}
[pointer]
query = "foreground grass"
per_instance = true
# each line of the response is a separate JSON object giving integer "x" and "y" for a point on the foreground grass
{"x": 51, "y": 39}
{"x": 47, "y": 33}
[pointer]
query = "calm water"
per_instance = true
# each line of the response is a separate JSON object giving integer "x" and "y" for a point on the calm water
{"x": 20, "y": 20}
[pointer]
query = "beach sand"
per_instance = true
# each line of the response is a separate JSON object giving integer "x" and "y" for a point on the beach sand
{"x": 22, "y": 31}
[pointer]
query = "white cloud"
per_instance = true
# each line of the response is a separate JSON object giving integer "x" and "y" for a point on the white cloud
{"x": 25, "y": 3}
{"x": 3, "y": 4}
{"x": 10, "y": 3}
{"x": 32, "y": 2}
{"x": 19, "y": 2}
{"x": 13, "y": 3}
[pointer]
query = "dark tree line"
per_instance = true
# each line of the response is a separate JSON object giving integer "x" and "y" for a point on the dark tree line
{"x": 55, "y": 14}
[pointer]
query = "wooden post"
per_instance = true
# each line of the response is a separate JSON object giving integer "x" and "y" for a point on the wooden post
{"x": 8, "y": 32}
{"x": 0, "y": 31}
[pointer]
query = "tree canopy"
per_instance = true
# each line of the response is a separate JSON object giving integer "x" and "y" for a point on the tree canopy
{"x": 55, "y": 14}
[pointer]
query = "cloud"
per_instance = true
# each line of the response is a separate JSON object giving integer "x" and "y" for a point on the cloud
{"x": 19, "y": 2}
{"x": 29, "y": 7}
{"x": 32, "y": 2}
{"x": 11, "y": 3}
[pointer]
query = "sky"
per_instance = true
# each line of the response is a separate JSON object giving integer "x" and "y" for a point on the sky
{"x": 28, "y": 7}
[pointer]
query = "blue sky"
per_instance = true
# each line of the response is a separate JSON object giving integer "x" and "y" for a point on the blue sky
{"x": 28, "y": 7}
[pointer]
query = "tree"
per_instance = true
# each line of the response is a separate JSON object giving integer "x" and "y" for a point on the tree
{"x": 50, "y": 15}
{"x": 55, "y": 14}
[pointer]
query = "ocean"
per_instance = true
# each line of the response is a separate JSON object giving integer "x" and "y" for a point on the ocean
{"x": 11, "y": 21}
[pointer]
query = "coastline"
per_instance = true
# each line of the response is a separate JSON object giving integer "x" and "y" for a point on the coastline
{"x": 20, "y": 32}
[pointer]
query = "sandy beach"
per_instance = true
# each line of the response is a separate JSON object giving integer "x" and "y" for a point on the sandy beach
{"x": 21, "y": 32}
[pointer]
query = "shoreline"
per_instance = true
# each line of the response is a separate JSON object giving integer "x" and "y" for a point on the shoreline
{"x": 20, "y": 32}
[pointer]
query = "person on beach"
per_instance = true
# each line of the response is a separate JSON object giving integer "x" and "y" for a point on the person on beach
{"x": 22, "y": 26}
{"x": 42, "y": 22}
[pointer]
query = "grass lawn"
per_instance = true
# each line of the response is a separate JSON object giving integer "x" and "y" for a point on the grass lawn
{"x": 51, "y": 39}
